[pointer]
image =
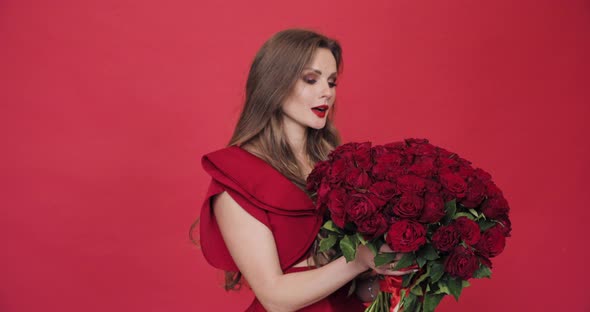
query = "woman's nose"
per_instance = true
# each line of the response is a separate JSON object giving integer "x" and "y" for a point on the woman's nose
{"x": 326, "y": 91}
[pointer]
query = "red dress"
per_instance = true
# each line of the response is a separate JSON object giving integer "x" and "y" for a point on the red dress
{"x": 274, "y": 200}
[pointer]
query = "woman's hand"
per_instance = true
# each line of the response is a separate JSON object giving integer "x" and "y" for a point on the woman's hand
{"x": 368, "y": 287}
{"x": 366, "y": 257}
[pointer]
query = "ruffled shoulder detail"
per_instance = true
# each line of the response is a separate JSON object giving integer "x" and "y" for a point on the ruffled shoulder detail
{"x": 255, "y": 179}
{"x": 265, "y": 194}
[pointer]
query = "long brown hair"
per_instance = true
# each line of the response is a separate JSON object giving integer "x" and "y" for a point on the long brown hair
{"x": 273, "y": 74}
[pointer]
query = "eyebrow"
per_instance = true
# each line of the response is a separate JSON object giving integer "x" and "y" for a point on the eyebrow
{"x": 319, "y": 72}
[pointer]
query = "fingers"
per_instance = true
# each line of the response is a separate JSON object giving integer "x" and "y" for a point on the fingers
{"x": 385, "y": 248}
{"x": 393, "y": 273}
{"x": 387, "y": 269}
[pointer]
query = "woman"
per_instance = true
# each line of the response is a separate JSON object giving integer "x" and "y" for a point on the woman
{"x": 257, "y": 218}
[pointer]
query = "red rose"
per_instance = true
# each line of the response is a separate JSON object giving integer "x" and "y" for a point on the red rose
{"x": 492, "y": 190}
{"x": 461, "y": 263}
{"x": 415, "y": 141}
{"x": 320, "y": 170}
{"x": 443, "y": 153}
{"x": 432, "y": 186}
{"x": 482, "y": 175}
{"x": 357, "y": 178}
{"x": 492, "y": 242}
{"x": 447, "y": 164}
{"x": 359, "y": 206}
{"x": 420, "y": 147}
{"x": 446, "y": 237}
{"x": 454, "y": 183}
{"x": 336, "y": 199}
{"x": 344, "y": 151}
{"x": 362, "y": 156}
{"x": 422, "y": 167}
{"x": 474, "y": 195}
{"x": 465, "y": 164}
{"x": 354, "y": 153}
{"x": 406, "y": 236}
{"x": 469, "y": 230}
{"x": 485, "y": 261}
{"x": 384, "y": 164}
{"x": 373, "y": 226}
{"x": 495, "y": 207}
{"x": 465, "y": 171}
{"x": 395, "y": 146}
{"x": 378, "y": 150}
{"x": 411, "y": 184}
{"x": 338, "y": 171}
{"x": 323, "y": 191}
{"x": 409, "y": 206}
{"x": 434, "y": 208}
{"x": 381, "y": 192}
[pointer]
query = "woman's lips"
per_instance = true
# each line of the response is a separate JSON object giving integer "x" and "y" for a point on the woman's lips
{"x": 320, "y": 111}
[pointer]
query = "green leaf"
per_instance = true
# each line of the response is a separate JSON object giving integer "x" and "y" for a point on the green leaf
{"x": 417, "y": 291}
{"x": 465, "y": 283}
{"x": 455, "y": 286}
{"x": 328, "y": 242}
{"x": 384, "y": 258}
{"x": 464, "y": 214}
{"x": 474, "y": 212}
{"x": 348, "y": 247}
{"x": 418, "y": 305}
{"x": 407, "y": 278}
{"x": 484, "y": 224}
{"x": 407, "y": 260}
{"x": 421, "y": 261}
{"x": 360, "y": 238}
{"x": 330, "y": 226}
{"x": 355, "y": 241}
{"x": 451, "y": 209}
{"x": 421, "y": 279}
{"x": 431, "y": 301}
{"x": 409, "y": 302}
{"x": 437, "y": 270}
{"x": 482, "y": 272}
{"x": 428, "y": 252}
{"x": 443, "y": 288}
{"x": 373, "y": 248}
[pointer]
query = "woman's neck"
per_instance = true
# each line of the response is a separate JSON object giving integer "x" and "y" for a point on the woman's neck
{"x": 296, "y": 137}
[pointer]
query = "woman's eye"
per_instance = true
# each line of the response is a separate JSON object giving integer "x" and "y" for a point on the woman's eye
{"x": 332, "y": 84}
{"x": 310, "y": 80}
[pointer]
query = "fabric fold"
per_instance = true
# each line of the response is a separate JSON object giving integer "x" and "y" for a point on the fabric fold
{"x": 264, "y": 193}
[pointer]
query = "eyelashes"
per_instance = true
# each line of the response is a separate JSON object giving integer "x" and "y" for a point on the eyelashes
{"x": 313, "y": 81}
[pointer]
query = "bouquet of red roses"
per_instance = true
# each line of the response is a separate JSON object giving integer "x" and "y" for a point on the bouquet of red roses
{"x": 446, "y": 217}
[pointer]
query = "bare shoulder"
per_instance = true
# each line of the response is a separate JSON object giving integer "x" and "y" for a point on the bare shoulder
{"x": 223, "y": 204}
{"x": 233, "y": 217}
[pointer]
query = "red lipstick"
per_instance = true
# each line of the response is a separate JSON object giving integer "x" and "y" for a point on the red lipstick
{"x": 320, "y": 111}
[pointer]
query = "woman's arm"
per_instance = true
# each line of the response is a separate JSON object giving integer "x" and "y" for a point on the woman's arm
{"x": 252, "y": 247}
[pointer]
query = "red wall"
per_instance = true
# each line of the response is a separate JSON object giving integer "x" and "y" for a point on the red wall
{"x": 107, "y": 107}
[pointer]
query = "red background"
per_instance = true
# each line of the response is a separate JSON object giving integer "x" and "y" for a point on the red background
{"x": 107, "y": 107}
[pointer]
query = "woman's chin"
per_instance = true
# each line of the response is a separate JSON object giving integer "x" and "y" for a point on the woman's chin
{"x": 317, "y": 126}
